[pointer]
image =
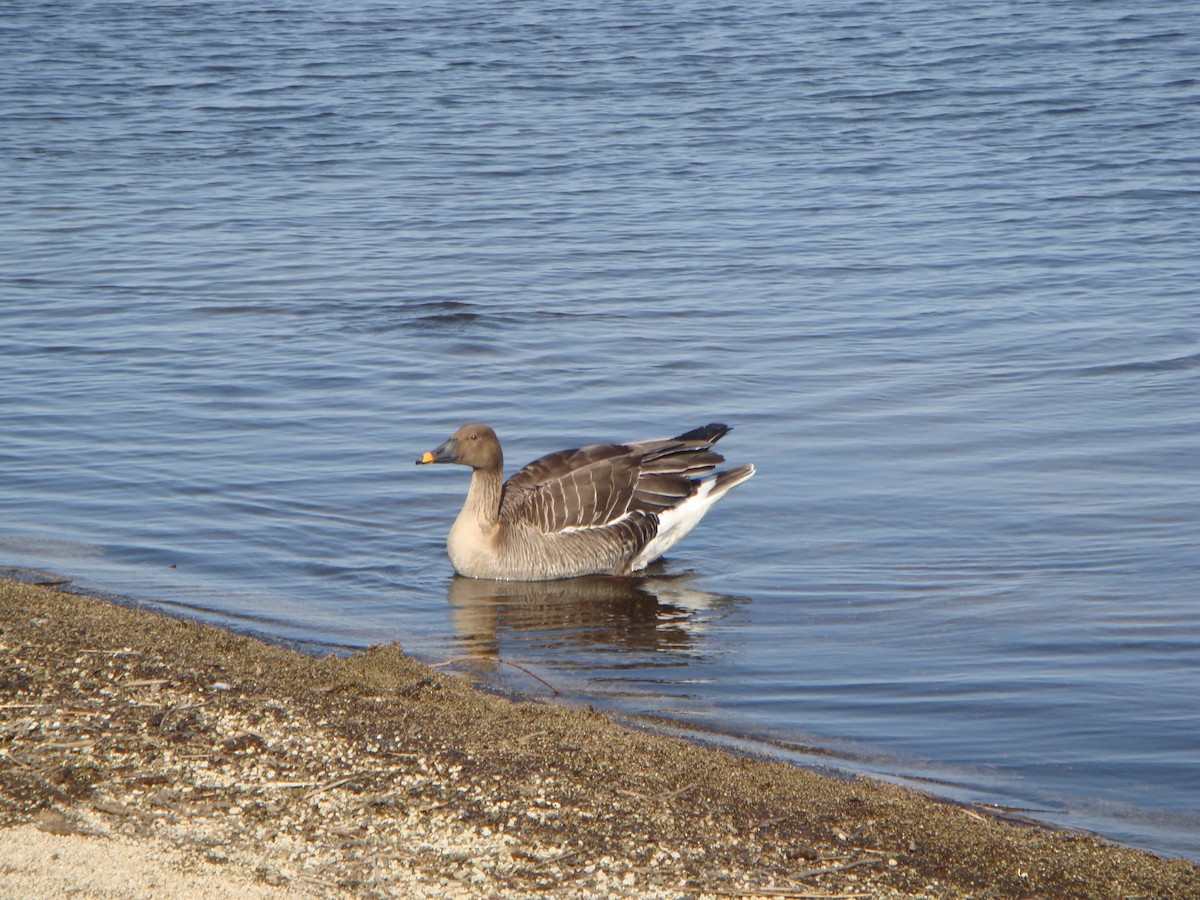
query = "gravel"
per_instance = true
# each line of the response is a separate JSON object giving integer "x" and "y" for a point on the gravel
{"x": 193, "y": 759}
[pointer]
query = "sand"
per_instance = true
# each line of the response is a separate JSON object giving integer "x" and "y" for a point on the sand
{"x": 148, "y": 756}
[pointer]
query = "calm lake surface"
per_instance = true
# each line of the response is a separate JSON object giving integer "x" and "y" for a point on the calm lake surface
{"x": 937, "y": 263}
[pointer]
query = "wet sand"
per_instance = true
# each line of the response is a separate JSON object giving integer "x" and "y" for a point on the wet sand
{"x": 147, "y": 756}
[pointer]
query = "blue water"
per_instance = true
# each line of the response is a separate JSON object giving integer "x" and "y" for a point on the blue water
{"x": 937, "y": 265}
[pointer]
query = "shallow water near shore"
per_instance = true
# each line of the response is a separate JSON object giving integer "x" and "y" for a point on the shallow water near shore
{"x": 935, "y": 265}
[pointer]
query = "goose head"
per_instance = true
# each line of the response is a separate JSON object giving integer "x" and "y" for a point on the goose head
{"x": 474, "y": 445}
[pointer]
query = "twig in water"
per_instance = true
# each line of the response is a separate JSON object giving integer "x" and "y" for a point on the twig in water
{"x": 482, "y": 656}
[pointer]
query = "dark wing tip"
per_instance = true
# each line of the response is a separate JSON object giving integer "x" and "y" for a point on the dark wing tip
{"x": 710, "y": 434}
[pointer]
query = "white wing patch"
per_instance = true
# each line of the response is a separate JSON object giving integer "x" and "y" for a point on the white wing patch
{"x": 675, "y": 523}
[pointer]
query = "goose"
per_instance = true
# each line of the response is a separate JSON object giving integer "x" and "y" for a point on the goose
{"x": 604, "y": 509}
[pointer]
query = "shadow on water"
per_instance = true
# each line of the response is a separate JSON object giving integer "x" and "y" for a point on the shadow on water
{"x": 553, "y": 620}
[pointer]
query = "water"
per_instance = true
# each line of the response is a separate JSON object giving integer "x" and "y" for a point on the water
{"x": 936, "y": 264}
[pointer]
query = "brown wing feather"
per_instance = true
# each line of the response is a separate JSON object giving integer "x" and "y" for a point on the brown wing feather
{"x": 594, "y": 486}
{"x": 530, "y": 480}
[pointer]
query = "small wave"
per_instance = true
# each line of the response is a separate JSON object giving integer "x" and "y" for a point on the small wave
{"x": 1175, "y": 364}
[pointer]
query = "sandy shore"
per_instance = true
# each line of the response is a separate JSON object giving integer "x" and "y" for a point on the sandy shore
{"x": 145, "y": 756}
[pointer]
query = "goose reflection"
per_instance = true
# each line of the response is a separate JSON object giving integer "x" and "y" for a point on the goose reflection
{"x": 623, "y": 614}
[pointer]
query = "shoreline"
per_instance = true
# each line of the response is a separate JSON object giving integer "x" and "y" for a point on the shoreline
{"x": 185, "y": 755}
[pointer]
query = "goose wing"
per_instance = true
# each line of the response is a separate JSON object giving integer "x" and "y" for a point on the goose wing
{"x": 602, "y": 484}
